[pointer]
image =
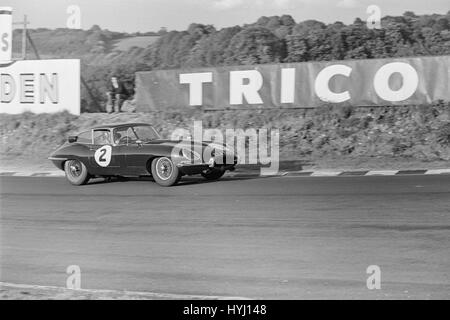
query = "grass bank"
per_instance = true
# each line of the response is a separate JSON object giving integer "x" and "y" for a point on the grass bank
{"x": 326, "y": 137}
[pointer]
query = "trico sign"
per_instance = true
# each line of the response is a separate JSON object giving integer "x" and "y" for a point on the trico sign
{"x": 311, "y": 84}
{"x": 40, "y": 86}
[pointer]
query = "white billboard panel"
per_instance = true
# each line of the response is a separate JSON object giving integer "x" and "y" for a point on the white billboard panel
{"x": 40, "y": 86}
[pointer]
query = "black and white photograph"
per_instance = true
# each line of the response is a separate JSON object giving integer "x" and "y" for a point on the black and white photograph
{"x": 207, "y": 151}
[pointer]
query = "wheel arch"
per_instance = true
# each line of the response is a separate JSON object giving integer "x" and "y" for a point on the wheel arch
{"x": 67, "y": 152}
{"x": 148, "y": 164}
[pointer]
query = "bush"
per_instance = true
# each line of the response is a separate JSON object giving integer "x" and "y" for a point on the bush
{"x": 443, "y": 134}
{"x": 306, "y": 134}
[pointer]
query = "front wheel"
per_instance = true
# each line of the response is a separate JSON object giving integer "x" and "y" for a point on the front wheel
{"x": 76, "y": 172}
{"x": 164, "y": 172}
{"x": 214, "y": 174}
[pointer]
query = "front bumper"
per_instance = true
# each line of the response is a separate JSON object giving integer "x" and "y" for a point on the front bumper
{"x": 189, "y": 168}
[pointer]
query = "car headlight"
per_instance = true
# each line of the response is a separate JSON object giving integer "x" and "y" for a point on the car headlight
{"x": 190, "y": 154}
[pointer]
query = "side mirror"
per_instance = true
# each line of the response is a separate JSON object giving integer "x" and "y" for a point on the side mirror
{"x": 139, "y": 142}
{"x": 72, "y": 139}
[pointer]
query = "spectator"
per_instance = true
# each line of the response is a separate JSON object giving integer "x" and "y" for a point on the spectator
{"x": 117, "y": 94}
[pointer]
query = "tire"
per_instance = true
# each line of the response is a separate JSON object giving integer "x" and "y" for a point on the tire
{"x": 214, "y": 174}
{"x": 76, "y": 172}
{"x": 164, "y": 172}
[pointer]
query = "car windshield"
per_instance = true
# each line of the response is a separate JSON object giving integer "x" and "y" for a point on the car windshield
{"x": 126, "y": 135}
{"x": 145, "y": 133}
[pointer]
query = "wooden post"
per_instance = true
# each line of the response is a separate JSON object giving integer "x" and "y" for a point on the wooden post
{"x": 24, "y": 38}
{"x": 26, "y": 35}
{"x": 25, "y": 22}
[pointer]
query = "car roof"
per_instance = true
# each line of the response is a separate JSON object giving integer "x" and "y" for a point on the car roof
{"x": 117, "y": 125}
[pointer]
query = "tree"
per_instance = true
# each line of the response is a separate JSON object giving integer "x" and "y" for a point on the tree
{"x": 269, "y": 40}
{"x": 255, "y": 45}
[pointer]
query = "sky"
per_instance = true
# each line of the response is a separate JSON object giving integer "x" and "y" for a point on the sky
{"x": 151, "y": 15}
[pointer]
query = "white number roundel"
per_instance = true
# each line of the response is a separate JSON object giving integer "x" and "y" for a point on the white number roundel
{"x": 103, "y": 156}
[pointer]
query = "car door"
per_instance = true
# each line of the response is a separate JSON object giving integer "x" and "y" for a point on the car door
{"x": 133, "y": 157}
{"x": 105, "y": 156}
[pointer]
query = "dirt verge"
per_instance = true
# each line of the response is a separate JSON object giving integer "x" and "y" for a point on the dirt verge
{"x": 329, "y": 137}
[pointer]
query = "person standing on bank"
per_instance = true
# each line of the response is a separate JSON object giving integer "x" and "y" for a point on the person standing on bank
{"x": 117, "y": 94}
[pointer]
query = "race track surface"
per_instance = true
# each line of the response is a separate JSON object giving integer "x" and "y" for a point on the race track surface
{"x": 292, "y": 238}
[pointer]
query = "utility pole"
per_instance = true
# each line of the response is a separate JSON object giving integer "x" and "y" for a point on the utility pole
{"x": 26, "y": 35}
{"x": 25, "y": 22}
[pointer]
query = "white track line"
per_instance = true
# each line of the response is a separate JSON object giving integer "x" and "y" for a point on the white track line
{"x": 382, "y": 173}
{"x": 55, "y": 174}
{"x": 437, "y": 171}
{"x": 23, "y": 174}
{"x": 297, "y": 174}
{"x": 122, "y": 292}
{"x": 325, "y": 173}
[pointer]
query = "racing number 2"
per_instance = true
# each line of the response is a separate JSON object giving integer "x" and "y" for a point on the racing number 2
{"x": 103, "y": 156}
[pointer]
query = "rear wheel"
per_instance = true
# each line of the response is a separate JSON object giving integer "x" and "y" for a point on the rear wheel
{"x": 164, "y": 172}
{"x": 214, "y": 174}
{"x": 76, "y": 172}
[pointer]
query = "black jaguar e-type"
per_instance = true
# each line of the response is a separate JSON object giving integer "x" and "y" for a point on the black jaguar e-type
{"x": 136, "y": 149}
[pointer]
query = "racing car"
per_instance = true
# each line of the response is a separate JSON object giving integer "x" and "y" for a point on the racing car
{"x": 136, "y": 149}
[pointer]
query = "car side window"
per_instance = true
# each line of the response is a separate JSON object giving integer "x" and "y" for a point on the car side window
{"x": 124, "y": 136}
{"x": 85, "y": 137}
{"x": 102, "y": 137}
{"x": 121, "y": 136}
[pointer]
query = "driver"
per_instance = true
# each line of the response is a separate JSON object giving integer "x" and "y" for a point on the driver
{"x": 117, "y": 137}
{"x": 103, "y": 138}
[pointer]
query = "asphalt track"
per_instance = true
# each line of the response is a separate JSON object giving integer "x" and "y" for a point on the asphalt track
{"x": 281, "y": 237}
